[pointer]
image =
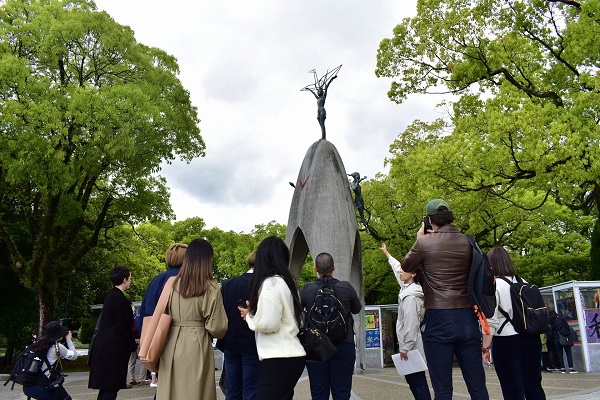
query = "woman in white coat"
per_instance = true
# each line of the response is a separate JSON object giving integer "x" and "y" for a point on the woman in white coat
{"x": 411, "y": 311}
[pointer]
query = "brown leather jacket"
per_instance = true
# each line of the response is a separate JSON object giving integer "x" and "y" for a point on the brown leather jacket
{"x": 445, "y": 256}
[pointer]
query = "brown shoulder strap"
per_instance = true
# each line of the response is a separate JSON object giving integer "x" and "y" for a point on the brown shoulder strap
{"x": 164, "y": 296}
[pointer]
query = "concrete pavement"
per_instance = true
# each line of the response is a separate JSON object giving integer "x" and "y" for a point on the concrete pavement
{"x": 369, "y": 384}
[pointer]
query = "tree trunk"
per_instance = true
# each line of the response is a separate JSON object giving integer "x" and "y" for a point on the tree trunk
{"x": 45, "y": 307}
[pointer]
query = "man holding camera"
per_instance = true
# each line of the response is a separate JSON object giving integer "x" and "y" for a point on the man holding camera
{"x": 451, "y": 328}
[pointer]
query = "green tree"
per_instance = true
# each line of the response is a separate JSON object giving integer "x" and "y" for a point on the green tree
{"x": 519, "y": 148}
{"x": 87, "y": 116}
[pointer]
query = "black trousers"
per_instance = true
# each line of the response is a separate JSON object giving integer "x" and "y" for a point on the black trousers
{"x": 517, "y": 363}
{"x": 107, "y": 394}
{"x": 278, "y": 378}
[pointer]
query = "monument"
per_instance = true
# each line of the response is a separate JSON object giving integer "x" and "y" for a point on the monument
{"x": 322, "y": 216}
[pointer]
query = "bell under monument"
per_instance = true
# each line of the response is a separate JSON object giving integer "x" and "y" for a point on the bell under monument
{"x": 323, "y": 219}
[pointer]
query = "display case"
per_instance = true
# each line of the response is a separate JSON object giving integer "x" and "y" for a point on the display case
{"x": 579, "y": 303}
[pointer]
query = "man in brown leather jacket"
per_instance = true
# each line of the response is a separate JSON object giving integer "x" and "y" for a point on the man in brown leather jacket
{"x": 452, "y": 329}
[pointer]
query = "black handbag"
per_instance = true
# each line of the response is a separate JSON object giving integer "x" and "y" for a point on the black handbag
{"x": 567, "y": 341}
{"x": 56, "y": 379}
{"x": 317, "y": 345}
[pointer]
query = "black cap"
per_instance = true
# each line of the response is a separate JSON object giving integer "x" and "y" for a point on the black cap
{"x": 54, "y": 331}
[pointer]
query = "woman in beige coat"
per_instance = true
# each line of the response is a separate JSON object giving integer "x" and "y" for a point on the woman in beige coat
{"x": 187, "y": 365}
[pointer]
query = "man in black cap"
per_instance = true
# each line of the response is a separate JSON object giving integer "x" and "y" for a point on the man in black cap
{"x": 452, "y": 329}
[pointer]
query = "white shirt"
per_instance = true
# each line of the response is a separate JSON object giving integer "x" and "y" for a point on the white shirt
{"x": 67, "y": 353}
{"x": 503, "y": 301}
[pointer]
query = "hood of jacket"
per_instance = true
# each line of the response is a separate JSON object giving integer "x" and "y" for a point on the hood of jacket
{"x": 414, "y": 289}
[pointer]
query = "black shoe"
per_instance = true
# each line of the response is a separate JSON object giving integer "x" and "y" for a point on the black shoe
{"x": 128, "y": 386}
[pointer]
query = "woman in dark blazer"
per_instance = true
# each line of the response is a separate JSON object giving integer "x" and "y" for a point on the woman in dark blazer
{"x": 239, "y": 344}
{"x": 114, "y": 341}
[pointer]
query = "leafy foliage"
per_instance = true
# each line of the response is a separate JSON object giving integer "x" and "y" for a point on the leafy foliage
{"x": 517, "y": 156}
{"x": 88, "y": 116}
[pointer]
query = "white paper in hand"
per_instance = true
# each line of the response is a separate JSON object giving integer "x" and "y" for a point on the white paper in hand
{"x": 415, "y": 363}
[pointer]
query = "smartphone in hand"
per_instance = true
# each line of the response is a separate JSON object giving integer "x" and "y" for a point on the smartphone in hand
{"x": 242, "y": 304}
{"x": 426, "y": 225}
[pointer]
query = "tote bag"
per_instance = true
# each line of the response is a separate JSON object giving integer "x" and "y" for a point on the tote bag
{"x": 155, "y": 330}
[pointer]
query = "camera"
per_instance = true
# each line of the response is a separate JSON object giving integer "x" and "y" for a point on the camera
{"x": 65, "y": 322}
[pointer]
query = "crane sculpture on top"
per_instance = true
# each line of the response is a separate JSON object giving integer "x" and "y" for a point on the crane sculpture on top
{"x": 319, "y": 90}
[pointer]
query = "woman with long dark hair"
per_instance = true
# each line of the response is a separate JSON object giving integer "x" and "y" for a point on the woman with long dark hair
{"x": 187, "y": 363}
{"x": 516, "y": 355}
{"x": 274, "y": 312}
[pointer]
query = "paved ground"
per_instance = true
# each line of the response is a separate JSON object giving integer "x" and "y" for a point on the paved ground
{"x": 370, "y": 384}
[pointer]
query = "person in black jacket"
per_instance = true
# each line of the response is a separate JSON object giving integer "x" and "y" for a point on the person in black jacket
{"x": 558, "y": 327}
{"x": 335, "y": 374}
{"x": 241, "y": 361}
{"x": 114, "y": 341}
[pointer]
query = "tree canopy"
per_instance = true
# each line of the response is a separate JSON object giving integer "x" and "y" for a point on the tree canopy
{"x": 88, "y": 115}
{"x": 518, "y": 151}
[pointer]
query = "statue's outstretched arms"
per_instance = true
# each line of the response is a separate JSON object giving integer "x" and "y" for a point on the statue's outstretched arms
{"x": 327, "y": 85}
{"x": 331, "y": 80}
{"x": 310, "y": 90}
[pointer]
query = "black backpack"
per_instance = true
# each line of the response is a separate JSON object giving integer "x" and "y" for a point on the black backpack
{"x": 327, "y": 313}
{"x": 481, "y": 286}
{"x": 29, "y": 367}
{"x": 530, "y": 313}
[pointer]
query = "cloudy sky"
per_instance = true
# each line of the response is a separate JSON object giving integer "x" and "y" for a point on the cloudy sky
{"x": 244, "y": 63}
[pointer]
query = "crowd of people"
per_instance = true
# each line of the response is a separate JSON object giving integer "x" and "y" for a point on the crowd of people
{"x": 257, "y": 316}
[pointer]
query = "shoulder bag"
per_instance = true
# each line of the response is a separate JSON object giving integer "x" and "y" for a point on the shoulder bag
{"x": 565, "y": 341}
{"x": 317, "y": 345}
{"x": 155, "y": 330}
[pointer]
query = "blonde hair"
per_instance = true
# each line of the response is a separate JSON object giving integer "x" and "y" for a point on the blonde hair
{"x": 175, "y": 254}
{"x": 251, "y": 259}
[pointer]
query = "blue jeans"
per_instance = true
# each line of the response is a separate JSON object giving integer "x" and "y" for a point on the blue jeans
{"x": 559, "y": 354}
{"x": 242, "y": 372}
{"x": 517, "y": 365}
{"x": 418, "y": 385}
{"x": 449, "y": 333}
{"x": 334, "y": 375}
{"x": 38, "y": 392}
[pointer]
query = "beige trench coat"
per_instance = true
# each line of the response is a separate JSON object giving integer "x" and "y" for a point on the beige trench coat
{"x": 187, "y": 365}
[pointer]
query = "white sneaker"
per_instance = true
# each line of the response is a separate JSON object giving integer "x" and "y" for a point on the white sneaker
{"x": 153, "y": 384}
